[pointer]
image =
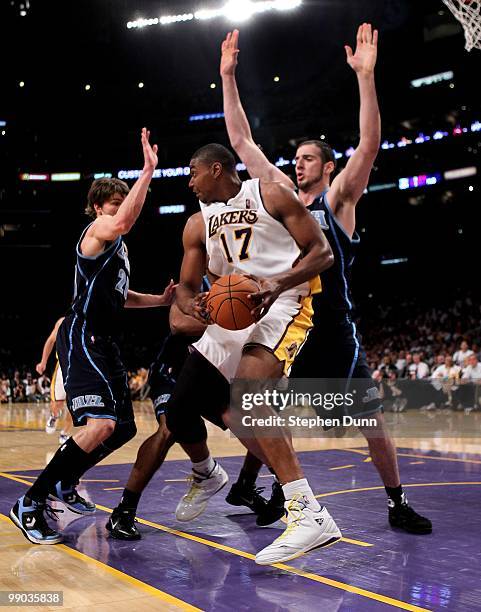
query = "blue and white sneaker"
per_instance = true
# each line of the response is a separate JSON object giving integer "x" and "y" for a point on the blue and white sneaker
{"x": 70, "y": 498}
{"x": 30, "y": 518}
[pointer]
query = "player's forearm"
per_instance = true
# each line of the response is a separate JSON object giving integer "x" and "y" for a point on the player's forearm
{"x": 47, "y": 349}
{"x": 184, "y": 297}
{"x": 236, "y": 121}
{"x": 131, "y": 207}
{"x": 143, "y": 300}
{"x": 369, "y": 116}
{"x": 318, "y": 258}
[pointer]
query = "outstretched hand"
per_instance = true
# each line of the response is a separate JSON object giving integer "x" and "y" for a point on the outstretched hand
{"x": 230, "y": 51}
{"x": 166, "y": 298}
{"x": 150, "y": 151}
{"x": 363, "y": 60}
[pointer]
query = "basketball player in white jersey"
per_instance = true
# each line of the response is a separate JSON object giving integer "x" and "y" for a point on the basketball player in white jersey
{"x": 258, "y": 228}
{"x": 334, "y": 206}
{"x": 57, "y": 390}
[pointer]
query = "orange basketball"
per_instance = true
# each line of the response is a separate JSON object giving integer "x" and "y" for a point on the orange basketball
{"x": 228, "y": 304}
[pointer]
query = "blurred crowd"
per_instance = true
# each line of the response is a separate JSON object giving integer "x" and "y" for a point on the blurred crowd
{"x": 24, "y": 387}
{"x": 419, "y": 356}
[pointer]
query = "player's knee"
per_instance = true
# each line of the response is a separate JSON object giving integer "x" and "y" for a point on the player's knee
{"x": 122, "y": 433}
{"x": 227, "y": 418}
{"x": 164, "y": 434}
{"x": 100, "y": 429}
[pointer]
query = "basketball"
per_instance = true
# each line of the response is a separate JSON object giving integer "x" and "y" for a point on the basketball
{"x": 228, "y": 304}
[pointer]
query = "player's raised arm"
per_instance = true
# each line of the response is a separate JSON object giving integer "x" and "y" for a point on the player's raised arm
{"x": 349, "y": 185}
{"x": 193, "y": 266}
{"x": 107, "y": 227}
{"x": 283, "y": 204}
{"x": 238, "y": 129}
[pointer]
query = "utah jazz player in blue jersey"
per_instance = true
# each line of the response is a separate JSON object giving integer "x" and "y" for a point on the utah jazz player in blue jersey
{"x": 333, "y": 349}
{"x": 94, "y": 376}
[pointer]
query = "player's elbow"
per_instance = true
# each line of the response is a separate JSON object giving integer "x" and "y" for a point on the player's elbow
{"x": 177, "y": 327}
{"x": 369, "y": 146}
{"x": 326, "y": 257}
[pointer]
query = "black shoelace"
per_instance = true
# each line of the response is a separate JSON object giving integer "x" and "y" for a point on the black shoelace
{"x": 41, "y": 519}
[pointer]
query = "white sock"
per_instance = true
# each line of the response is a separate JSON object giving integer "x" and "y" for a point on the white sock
{"x": 301, "y": 487}
{"x": 204, "y": 467}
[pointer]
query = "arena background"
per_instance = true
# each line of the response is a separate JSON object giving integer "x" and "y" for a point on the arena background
{"x": 52, "y": 123}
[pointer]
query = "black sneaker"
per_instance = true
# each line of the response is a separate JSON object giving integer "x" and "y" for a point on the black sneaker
{"x": 29, "y": 516}
{"x": 121, "y": 524}
{"x": 242, "y": 494}
{"x": 404, "y": 517}
{"x": 274, "y": 509}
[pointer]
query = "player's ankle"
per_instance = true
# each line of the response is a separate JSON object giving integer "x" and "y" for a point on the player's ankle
{"x": 129, "y": 500}
{"x": 301, "y": 487}
{"x": 204, "y": 467}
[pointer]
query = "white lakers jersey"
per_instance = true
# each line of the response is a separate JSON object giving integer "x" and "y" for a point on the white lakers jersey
{"x": 243, "y": 238}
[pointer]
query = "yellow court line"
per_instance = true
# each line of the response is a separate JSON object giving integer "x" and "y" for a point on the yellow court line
{"x": 418, "y": 484}
{"x": 288, "y": 568}
{"x": 367, "y": 460}
{"x": 114, "y": 489}
{"x": 10, "y": 477}
{"x": 362, "y": 452}
{"x": 416, "y": 462}
{"x": 356, "y": 542}
{"x": 99, "y": 480}
{"x": 20, "y": 476}
{"x": 147, "y": 588}
{"x": 342, "y": 467}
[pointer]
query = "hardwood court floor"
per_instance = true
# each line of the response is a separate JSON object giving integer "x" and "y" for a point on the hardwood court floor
{"x": 208, "y": 564}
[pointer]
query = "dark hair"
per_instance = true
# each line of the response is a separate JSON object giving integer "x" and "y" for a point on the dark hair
{"x": 101, "y": 191}
{"x": 327, "y": 154}
{"x": 213, "y": 152}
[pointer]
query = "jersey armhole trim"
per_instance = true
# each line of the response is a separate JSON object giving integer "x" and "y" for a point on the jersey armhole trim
{"x": 94, "y": 257}
{"x": 355, "y": 237}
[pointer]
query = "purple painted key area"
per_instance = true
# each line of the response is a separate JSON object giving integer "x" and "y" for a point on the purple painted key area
{"x": 435, "y": 572}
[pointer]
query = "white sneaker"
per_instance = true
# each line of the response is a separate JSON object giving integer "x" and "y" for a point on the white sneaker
{"x": 305, "y": 531}
{"x": 201, "y": 490}
{"x": 51, "y": 424}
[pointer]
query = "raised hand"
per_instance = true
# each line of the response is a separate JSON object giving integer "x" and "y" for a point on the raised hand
{"x": 363, "y": 60}
{"x": 168, "y": 296}
{"x": 230, "y": 51}
{"x": 150, "y": 152}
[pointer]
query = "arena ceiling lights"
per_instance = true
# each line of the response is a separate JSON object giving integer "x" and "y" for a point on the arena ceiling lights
{"x": 237, "y": 11}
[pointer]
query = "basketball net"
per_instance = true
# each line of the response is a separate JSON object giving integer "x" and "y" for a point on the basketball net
{"x": 468, "y": 13}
